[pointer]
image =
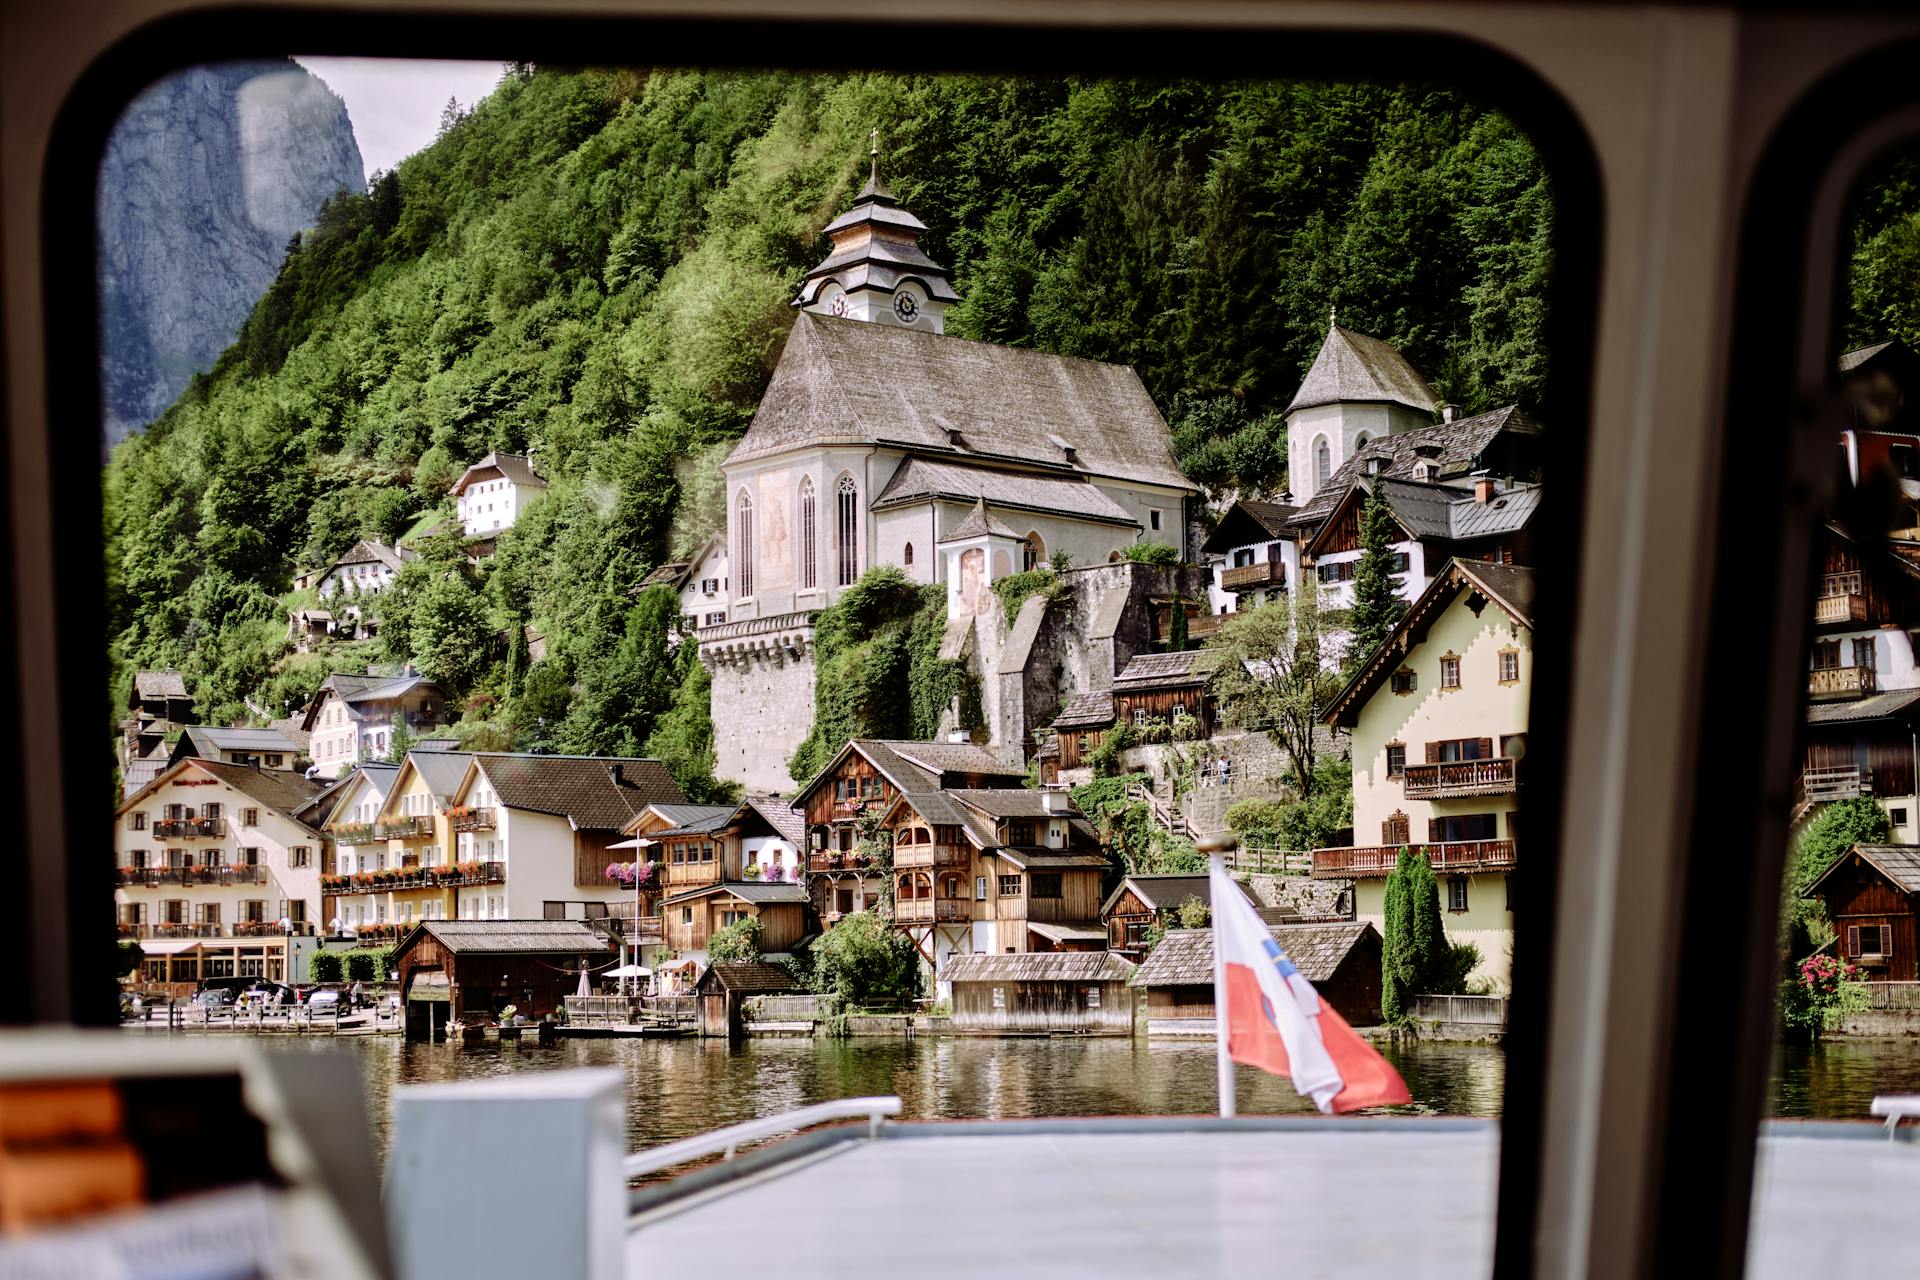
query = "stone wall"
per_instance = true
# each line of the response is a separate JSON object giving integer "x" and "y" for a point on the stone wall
{"x": 762, "y": 701}
{"x": 1303, "y": 895}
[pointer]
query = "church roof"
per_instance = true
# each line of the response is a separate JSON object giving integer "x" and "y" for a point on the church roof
{"x": 980, "y": 523}
{"x": 921, "y": 479}
{"x": 1456, "y": 446}
{"x": 876, "y": 245}
{"x": 1355, "y": 369}
{"x": 850, "y": 382}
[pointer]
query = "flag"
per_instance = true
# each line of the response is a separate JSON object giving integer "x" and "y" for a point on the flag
{"x": 1270, "y": 1016}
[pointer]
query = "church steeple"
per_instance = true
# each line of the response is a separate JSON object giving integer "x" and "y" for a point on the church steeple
{"x": 876, "y": 269}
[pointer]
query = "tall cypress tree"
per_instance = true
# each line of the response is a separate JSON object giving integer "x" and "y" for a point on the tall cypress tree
{"x": 1429, "y": 950}
{"x": 1377, "y": 605}
{"x": 1398, "y": 978}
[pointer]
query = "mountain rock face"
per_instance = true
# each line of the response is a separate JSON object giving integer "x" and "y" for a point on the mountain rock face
{"x": 208, "y": 174}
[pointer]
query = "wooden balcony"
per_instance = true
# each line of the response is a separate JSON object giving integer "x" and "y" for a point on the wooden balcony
{"x": 403, "y": 828}
{"x": 1448, "y": 858}
{"x": 1841, "y": 600}
{"x": 190, "y": 828}
{"x": 1199, "y": 626}
{"x": 932, "y": 855}
{"x": 272, "y": 929}
{"x": 929, "y": 910}
{"x": 1459, "y": 778}
{"x": 208, "y": 877}
{"x": 1837, "y": 684}
{"x": 1254, "y": 577}
{"x": 352, "y": 833}
{"x": 832, "y": 861}
{"x": 471, "y": 820}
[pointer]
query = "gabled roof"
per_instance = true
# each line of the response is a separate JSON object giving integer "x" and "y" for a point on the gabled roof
{"x": 1424, "y": 509}
{"x": 1894, "y": 703}
{"x": 1185, "y": 956}
{"x": 1248, "y": 522}
{"x": 1159, "y": 671}
{"x": 1029, "y": 858}
{"x": 1002, "y": 802}
{"x": 782, "y": 817}
{"x": 1073, "y": 497}
{"x": 1086, "y": 711}
{"x": 1353, "y": 368}
{"x": 281, "y": 790}
{"x": 1457, "y": 447}
{"x": 916, "y": 768}
{"x": 373, "y": 551}
{"x": 1036, "y": 966}
{"x": 668, "y": 575}
{"x": 1899, "y": 864}
{"x": 1506, "y": 585}
{"x": 378, "y": 779}
{"x": 442, "y": 771}
{"x": 594, "y": 793}
{"x": 511, "y": 466}
{"x": 980, "y": 523}
{"x": 1165, "y": 892}
{"x": 511, "y": 937}
{"x": 211, "y": 740}
{"x": 755, "y": 891}
{"x": 680, "y": 815}
{"x": 749, "y": 976}
{"x": 159, "y": 684}
{"x": 851, "y": 382}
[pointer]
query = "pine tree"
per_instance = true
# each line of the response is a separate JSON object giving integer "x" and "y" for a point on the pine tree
{"x": 1398, "y": 980}
{"x": 400, "y": 740}
{"x": 1377, "y": 605}
{"x": 1430, "y": 947}
{"x": 1177, "y": 626}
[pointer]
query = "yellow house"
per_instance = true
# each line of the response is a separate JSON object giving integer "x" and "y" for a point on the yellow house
{"x": 402, "y": 849}
{"x": 1438, "y": 716}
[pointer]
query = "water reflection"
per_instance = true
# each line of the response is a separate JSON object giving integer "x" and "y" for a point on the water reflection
{"x": 1838, "y": 1079}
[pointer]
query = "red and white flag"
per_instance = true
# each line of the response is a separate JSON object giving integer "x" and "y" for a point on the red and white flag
{"x": 1269, "y": 1016}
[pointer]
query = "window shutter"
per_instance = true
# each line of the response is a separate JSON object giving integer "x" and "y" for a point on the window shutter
{"x": 1433, "y": 753}
{"x": 1386, "y": 831}
{"x": 1486, "y": 748}
{"x": 1436, "y": 830}
{"x": 1853, "y": 939}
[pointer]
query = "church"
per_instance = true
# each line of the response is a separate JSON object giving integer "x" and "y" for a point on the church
{"x": 881, "y": 440}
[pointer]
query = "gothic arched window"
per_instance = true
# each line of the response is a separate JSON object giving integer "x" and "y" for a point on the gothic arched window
{"x": 809, "y": 540}
{"x": 906, "y": 557}
{"x": 743, "y": 543}
{"x": 848, "y": 529}
{"x": 1034, "y": 553}
{"x": 1322, "y": 462}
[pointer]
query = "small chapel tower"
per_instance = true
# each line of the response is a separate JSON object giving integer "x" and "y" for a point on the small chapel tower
{"x": 1358, "y": 390}
{"x": 876, "y": 270}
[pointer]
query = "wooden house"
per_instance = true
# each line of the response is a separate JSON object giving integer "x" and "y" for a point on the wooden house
{"x": 1341, "y": 960}
{"x": 1081, "y": 726}
{"x": 1863, "y": 747}
{"x": 1163, "y": 688}
{"x": 731, "y": 863}
{"x": 1139, "y": 900}
{"x": 723, "y": 987}
{"x": 1872, "y": 896}
{"x": 1254, "y": 555}
{"x": 469, "y": 970}
{"x": 1085, "y": 992}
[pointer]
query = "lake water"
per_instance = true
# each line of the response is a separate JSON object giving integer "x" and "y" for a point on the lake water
{"x": 681, "y": 1087}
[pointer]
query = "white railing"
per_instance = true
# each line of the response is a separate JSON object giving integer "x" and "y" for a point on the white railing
{"x": 725, "y": 1142}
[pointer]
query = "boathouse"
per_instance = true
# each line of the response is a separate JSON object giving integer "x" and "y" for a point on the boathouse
{"x": 1139, "y": 900}
{"x": 1041, "y": 992}
{"x": 1870, "y": 898}
{"x": 469, "y": 970}
{"x": 1342, "y": 961}
{"x": 725, "y": 986}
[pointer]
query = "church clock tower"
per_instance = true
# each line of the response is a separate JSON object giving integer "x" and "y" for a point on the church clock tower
{"x": 876, "y": 270}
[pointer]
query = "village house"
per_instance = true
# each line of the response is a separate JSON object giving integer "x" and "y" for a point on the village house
{"x": 1883, "y": 438}
{"x": 1872, "y": 897}
{"x": 876, "y": 443}
{"x": 1432, "y": 523}
{"x": 1341, "y": 960}
{"x": 1163, "y": 696}
{"x": 1141, "y": 900}
{"x": 350, "y": 718}
{"x": 158, "y": 708}
{"x": 1438, "y": 717}
{"x": 1254, "y": 553}
{"x": 468, "y": 971}
{"x": 402, "y": 850}
{"x": 723, "y": 989}
{"x": 734, "y": 863}
{"x": 701, "y": 584}
{"x": 219, "y": 872}
{"x": 268, "y": 748}
{"x": 1074, "y": 992}
{"x": 492, "y": 493}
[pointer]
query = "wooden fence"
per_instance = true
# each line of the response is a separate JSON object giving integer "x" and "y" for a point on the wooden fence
{"x": 1486, "y": 1011}
{"x": 1893, "y": 995}
{"x": 1256, "y": 860}
{"x": 785, "y": 1008}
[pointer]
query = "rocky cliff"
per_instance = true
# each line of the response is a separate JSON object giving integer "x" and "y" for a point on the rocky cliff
{"x": 207, "y": 176}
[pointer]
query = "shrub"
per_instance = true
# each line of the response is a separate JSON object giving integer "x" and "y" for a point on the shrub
{"x": 866, "y": 963}
{"x": 363, "y": 966}
{"x": 1819, "y": 995}
{"x": 1192, "y": 914}
{"x": 1150, "y": 553}
{"x": 739, "y": 941}
{"x": 325, "y": 966}
{"x": 1014, "y": 589}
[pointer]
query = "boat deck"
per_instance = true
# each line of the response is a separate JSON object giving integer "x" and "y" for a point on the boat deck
{"x": 1256, "y": 1198}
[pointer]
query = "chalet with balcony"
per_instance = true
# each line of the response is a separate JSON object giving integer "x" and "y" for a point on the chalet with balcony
{"x": 268, "y": 748}
{"x": 350, "y": 718}
{"x": 158, "y": 708}
{"x": 735, "y": 862}
{"x": 218, "y": 868}
{"x": 1162, "y": 695}
{"x": 1865, "y": 619}
{"x": 1438, "y": 718}
{"x": 1872, "y": 896}
{"x": 1863, "y": 747}
{"x": 403, "y": 857}
{"x": 1254, "y": 554}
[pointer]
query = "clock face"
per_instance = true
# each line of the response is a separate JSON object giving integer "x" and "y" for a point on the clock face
{"x": 839, "y": 304}
{"x": 905, "y": 307}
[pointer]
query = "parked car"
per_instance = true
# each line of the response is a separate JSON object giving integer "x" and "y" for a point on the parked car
{"x": 213, "y": 998}
{"x": 324, "y": 1003}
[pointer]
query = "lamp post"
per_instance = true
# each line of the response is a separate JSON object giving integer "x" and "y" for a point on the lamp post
{"x": 640, "y": 847}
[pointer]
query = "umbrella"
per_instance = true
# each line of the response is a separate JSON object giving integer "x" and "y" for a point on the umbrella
{"x": 629, "y": 971}
{"x": 586, "y": 988}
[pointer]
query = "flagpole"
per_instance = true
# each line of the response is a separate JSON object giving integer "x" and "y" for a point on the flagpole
{"x": 1222, "y": 1060}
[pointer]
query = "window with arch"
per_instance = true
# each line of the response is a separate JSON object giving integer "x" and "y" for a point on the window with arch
{"x": 848, "y": 530}
{"x": 906, "y": 557}
{"x": 743, "y": 536}
{"x": 809, "y": 539}
{"x": 1322, "y": 462}
{"x": 1034, "y": 553}
{"x": 1360, "y": 442}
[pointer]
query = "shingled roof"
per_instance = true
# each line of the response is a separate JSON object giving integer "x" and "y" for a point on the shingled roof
{"x": 782, "y": 817}
{"x": 1900, "y": 864}
{"x": 511, "y": 466}
{"x": 1166, "y": 891}
{"x": 1355, "y": 369}
{"x": 848, "y": 382}
{"x": 981, "y": 523}
{"x": 921, "y": 479}
{"x": 1249, "y": 521}
{"x": 1185, "y": 956}
{"x": 583, "y": 789}
{"x": 1457, "y": 447}
{"x": 159, "y": 684}
{"x": 281, "y": 790}
{"x": 1037, "y": 966}
{"x": 1440, "y": 511}
{"x": 512, "y": 937}
{"x": 1086, "y": 711}
{"x": 750, "y": 977}
{"x": 1159, "y": 671}
{"x": 1875, "y": 706}
{"x": 210, "y": 740}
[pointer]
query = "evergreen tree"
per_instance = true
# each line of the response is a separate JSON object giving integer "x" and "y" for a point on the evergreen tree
{"x": 1377, "y": 605}
{"x": 1429, "y": 952}
{"x": 400, "y": 740}
{"x": 1177, "y": 626}
{"x": 1398, "y": 975}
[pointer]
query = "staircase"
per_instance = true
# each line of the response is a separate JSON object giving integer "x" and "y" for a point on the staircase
{"x": 1166, "y": 815}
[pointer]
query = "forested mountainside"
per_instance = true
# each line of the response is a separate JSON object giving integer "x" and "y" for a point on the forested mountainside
{"x": 597, "y": 266}
{"x": 206, "y": 176}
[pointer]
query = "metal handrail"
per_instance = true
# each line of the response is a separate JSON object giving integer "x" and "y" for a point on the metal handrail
{"x": 731, "y": 1138}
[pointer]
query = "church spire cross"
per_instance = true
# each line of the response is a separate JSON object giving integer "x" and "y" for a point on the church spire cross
{"x": 873, "y": 137}
{"x": 1333, "y": 317}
